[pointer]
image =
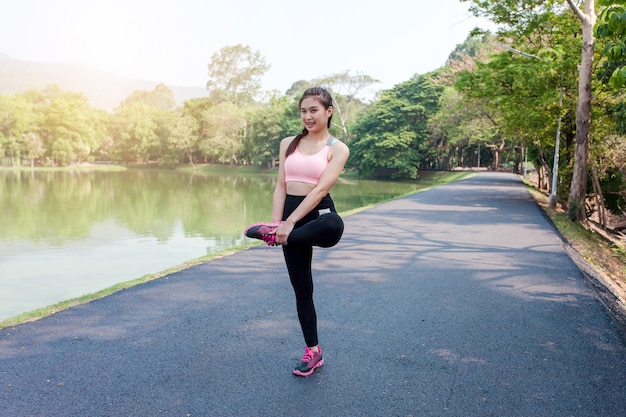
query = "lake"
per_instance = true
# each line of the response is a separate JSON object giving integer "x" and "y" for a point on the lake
{"x": 68, "y": 234}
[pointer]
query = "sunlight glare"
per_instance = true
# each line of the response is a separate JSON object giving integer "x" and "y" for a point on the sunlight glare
{"x": 109, "y": 35}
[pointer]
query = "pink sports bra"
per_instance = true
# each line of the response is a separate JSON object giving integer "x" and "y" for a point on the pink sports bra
{"x": 307, "y": 168}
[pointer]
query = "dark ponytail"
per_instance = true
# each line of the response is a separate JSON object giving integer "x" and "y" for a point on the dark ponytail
{"x": 294, "y": 143}
{"x": 325, "y": 99}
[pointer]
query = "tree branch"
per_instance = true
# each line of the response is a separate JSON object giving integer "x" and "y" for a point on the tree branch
{"x": 589, "y": 16}
{"x": 579, "y": 13}
{"x": 491, "y": 119}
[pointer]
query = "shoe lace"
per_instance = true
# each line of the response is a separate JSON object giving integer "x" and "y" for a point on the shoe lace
{"x": 308, "y": 355}
{"x": 269, "y": 239}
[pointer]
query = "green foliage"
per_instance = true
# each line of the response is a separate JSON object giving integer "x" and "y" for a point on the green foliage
{"x": 181, "y": 141}
{"x": 269, "y": 124}
{"x": 161, "y": 98}
{"x": 390, "y": 137}
{"x": 346, "y": 90}
{"x": 613, "y": 186}
{"x": 611, "y": 28}
{"x": 473, "y": 48}
{"x": 19, "y": 138}
{"x": 519, "y": 87}
{"x": 220, "y": 140}
{"x": 235, "y": 75}
{"x": 516, "y": 15}
{"x": 70, "y": 130}
{"x": 134, "y": 132}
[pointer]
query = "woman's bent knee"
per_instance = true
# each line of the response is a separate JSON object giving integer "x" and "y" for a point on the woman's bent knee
{"x": 333, "y": 229}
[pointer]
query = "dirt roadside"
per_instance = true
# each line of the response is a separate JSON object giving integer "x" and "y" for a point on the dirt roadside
{"x": 594, "y": 253}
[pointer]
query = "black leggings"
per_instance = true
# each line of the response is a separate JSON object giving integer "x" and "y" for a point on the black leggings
{"x": 314, "y": 229}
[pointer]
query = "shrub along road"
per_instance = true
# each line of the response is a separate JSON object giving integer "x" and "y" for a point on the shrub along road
{"x": 457, "y": 301}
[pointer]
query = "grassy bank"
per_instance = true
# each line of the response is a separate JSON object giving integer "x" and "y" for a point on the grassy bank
{"x": 215, "y": 169}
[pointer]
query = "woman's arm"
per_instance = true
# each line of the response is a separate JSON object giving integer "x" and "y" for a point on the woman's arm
{"x": 280, "y": 191}
{"x": 338, "y": 156}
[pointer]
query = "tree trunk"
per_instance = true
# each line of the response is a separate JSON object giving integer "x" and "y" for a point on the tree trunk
{"x": 445, "y": 163}
{"x": 496, "y": 159}
{"x": 497, "y": 155}
{"x": 342, "y": 122}
{"x": 576, "y": 203}
{"x": 597, "y": 191}
{"x": 190, "y": 156}
{"x": 543, "y": 169}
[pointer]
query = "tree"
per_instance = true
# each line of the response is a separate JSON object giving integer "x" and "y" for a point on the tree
{"x": 32, "y": 146}
{"x": 220, "y": 140}
{"x": 610, "y": 161}
{"x": 269, "y": 124}
{"x": 134, "y": 133}
{"x": 392, "y": 137}
{"x": 445, "y": 128}
{"x": 504, "y": 97}
{"x": 161, "y": 98}
{"x": 19, "y": 132}
{"x": 578, "y": 191}
{"x": 70, "y": 129}
{"x": 183, "y": 139}
{"x": 298, "y": 87}
{"x": 346, "y": 89}
{"x": 464, "y": 124}
{"x": 235, "y": 74}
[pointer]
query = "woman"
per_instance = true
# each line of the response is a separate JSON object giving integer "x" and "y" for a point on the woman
{"x": 303, "y": 213}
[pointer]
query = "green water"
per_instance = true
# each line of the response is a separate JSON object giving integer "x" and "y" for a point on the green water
{"x": 67, "y": 234}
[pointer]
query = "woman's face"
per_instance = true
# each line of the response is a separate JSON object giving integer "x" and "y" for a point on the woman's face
{"x": 314, "y": 115}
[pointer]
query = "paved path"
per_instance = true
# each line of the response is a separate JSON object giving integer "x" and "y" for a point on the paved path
{"x": 458, "y": 301}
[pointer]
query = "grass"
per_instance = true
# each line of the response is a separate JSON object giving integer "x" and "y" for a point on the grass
{"x": 432, "y": 179}
{"x": 223, "y": 169}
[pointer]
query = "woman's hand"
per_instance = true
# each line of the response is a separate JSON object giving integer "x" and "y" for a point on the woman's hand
{"x": 283, "y": 232}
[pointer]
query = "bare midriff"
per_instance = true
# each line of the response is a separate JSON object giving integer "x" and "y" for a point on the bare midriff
{"x": 299, "y": 188}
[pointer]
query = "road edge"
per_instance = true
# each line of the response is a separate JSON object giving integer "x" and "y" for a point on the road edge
{"x": 606, "y": 292}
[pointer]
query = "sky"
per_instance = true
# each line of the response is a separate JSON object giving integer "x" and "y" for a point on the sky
{"x": 172, "y": 42}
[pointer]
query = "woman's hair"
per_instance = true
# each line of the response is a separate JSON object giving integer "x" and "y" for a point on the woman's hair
{"x": 324, "y": 97}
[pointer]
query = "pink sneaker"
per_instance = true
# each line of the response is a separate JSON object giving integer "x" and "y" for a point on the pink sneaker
{"x": 309, "y": 362}
{"x": 263, "y": 231}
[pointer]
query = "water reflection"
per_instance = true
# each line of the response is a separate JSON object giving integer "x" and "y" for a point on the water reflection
{"x": 66, "y": 234}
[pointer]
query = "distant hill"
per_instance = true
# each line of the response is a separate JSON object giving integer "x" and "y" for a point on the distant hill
{"x": 103, "y": 89}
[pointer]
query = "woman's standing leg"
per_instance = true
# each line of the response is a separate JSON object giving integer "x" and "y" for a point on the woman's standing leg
{"x": 298, "y": 259}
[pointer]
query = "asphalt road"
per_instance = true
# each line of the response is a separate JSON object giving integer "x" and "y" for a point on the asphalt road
{"x": 457, "y": 301}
